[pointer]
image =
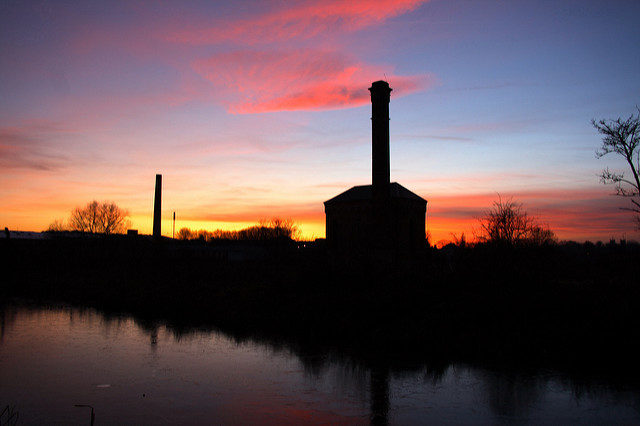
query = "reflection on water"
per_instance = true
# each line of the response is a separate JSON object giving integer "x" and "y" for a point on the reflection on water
{"x": 133, "y": 372}
{"x": 379, "y": 390}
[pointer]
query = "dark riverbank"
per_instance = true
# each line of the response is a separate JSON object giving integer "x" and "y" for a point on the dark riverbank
{"x": 571, "y": 306}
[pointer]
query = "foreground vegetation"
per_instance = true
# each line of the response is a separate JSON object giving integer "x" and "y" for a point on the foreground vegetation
{"x": 273, "y": 229}
{"x": 569, "y": 305}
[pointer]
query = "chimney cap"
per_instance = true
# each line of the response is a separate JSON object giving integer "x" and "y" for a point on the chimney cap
{"x": 380, "y": 85}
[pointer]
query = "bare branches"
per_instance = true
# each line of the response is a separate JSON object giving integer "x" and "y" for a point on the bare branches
{"x": 113, "y": 218}
{"x": 57, "y": 225}
{"x": 609, "y": 177}
{"x": 622, "y": 137}
{"x": 508, "y": 223}
{"x": 105, "y": 217}
{"x": 85, "y": 219}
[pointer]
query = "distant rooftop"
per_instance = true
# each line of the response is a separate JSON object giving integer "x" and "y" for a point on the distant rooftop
{"x": 364, "y": 192}
{"x": 24, "y": 235}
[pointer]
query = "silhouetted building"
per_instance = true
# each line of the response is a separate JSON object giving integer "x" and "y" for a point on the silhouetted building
{"x": 383, "y": 215}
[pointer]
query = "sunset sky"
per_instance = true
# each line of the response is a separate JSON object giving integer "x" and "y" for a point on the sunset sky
{"x": 252, "y": 110}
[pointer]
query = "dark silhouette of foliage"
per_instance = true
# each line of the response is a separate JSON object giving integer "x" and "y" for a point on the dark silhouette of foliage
{"x": 622, "y": 137}
{"x": 508, "y": 223}
{"x": 539, "y": 235}
{"x": 184, "y": 234}
{"x": 105, "y": 217}
{"x": 57, "y": 225}
{"x": 273, "y": 229}
{"x": 85, "y": 219}
{"x": 460, "y": 241}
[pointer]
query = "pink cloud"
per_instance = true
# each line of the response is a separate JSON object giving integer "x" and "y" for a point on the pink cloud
{"x": 259, "y": 81}
{"x": 301, "y": 21}
{"x": 304, "y": 79}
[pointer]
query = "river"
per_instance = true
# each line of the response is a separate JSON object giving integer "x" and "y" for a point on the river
{"x": 132, "y": 372}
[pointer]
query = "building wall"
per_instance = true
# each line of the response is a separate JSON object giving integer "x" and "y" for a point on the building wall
{"x": 409, "y": 218}
{"x": 400, "y": 224}
{"x": 350, "y": 225}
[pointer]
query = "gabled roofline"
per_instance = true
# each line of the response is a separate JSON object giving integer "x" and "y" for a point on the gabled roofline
{"x": 364, "y": 192}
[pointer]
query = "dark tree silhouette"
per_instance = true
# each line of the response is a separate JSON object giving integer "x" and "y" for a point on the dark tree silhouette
{"x": 85, "y": 219}
{"x": 184, "y": 234}
{"x": 57, "y": 225}
{"x": 508, "y": 223}
{"x": 273, "y": 229}
{"x": 114, "y": 219}
{"x": 105, "y": 217}
{"x": 622, "y": 137}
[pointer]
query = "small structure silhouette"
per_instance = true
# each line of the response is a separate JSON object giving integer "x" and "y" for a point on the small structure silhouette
{"x": 382, "y": 215}
{"x": 157, "y": 209}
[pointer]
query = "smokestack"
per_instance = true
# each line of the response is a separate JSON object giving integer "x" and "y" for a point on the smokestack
{"x": 157, "y": 207}
{"x": 380, "y": 95}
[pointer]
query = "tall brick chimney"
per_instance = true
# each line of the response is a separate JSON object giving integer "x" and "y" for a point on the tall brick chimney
{"x": 157, "y": 208}
{"x": 380, "y": 95}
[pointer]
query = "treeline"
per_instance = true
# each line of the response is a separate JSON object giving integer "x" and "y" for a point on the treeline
{"x": 273, "y": 229}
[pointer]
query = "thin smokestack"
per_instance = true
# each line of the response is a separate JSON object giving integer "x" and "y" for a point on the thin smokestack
{"x": 380, "y": 95}
{"x": 157, "y": 208}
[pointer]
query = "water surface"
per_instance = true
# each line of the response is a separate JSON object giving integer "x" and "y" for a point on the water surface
{"x": 137, "y": 373}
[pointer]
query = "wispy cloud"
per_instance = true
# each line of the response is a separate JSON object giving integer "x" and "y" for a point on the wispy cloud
{"x": 275, "y": 57}
{"x": 304, "y": 79}
{"x": 497, "y": 86}
{"x": 25, "y": 148}
{"x": 434, "y": 137}
{"x": 297, "y": 78}
{"x": 302, "y": 21}
{"x": 491, "y": 127}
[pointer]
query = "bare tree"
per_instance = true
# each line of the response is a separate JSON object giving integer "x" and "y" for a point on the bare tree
{"x": 280, "y": 228}
{"x": 85, "y": 219}
{"x": 508, "y": 223}
{"x": 57, "y": 225}
{"x": 104, "y": 217}
{"x": 622, "y": 137}
{"x": 113, "y": 220}
{"x": 540, "y": 235}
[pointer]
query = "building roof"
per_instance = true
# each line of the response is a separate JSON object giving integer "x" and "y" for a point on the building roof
{"x": 363, "y": 192}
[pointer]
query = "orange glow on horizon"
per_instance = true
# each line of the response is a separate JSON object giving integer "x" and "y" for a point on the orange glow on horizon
{"x": 578, "y": 215}
{"x": 308, "y": 229}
